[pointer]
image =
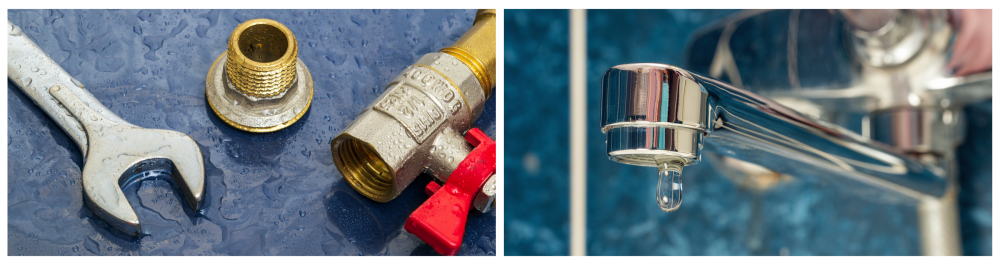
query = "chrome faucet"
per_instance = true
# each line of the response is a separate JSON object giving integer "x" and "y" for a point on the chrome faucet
{"x": 662, "y": 116}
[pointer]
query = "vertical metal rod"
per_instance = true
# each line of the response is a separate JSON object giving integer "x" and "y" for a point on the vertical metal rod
{"x": 940, "y": 232}
{"x": 578, "y": 132}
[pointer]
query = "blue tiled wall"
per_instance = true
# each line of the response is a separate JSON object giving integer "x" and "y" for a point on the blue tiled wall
{"x": 975, "y": 198}
{"x": 536, "y": 151}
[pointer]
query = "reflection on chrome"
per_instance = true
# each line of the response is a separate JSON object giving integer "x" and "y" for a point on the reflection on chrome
{"x": 889, "y": 71}
{"x": 658, "y": 112}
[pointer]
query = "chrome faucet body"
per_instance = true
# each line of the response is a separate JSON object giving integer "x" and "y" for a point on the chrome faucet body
{"x": 658, "y": 111}
{"x": 898, "y": 81}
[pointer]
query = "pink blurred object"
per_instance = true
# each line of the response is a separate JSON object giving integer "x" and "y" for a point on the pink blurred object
{"x": 974, "y": 42}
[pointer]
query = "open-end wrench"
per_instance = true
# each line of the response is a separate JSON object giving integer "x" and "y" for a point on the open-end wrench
{"x": 113, "y": 148}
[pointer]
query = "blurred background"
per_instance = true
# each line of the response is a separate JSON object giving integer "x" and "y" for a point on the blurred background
{"x": 723, "y": 213}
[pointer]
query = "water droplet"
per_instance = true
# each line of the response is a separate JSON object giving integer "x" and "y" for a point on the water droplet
{"x": 34, "y": 69}
{"x": 669, "y": 191}
{"x": 76, "y": 248}
{"x": 77, "y": 83}
{"x": 26, "y": 81}
{"x": 302, "y": 213}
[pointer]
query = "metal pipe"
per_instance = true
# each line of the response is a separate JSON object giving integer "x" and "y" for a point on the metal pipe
{"x": 578, "y": 132}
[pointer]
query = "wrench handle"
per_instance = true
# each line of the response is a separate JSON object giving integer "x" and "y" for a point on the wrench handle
{"x": 35, "y": 72}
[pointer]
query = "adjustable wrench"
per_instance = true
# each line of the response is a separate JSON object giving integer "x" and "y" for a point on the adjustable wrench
{"x": 113, "y": 148}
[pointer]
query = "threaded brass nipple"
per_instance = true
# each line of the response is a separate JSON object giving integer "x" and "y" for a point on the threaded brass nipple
{"x": 261, "y": 58}
{"x": 259, "y": 84}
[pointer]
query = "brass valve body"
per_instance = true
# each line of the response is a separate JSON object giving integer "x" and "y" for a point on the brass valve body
{"x": 262, "y": 85}
{"x": 416, "y": 125}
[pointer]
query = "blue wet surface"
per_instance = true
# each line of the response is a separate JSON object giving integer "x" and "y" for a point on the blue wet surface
{"x": 718, "y": 216}
{"x": 267, "y": 194}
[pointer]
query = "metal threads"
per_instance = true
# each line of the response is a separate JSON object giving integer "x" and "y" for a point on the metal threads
{"x": 474, "y": 64}
{"x": 364, "y": 170}
{"x": 477, "y": 49}
{"x": 259, "y": 84}
{"x": 261, "y": 58}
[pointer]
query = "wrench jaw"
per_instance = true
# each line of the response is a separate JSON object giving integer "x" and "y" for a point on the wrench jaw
{"x": 110, "y": 205}
{"x": 116, "y": 148}
{"x": 103, "y": 171}
{"x": 123, "y": 147}
{"x": 189, "y": 165}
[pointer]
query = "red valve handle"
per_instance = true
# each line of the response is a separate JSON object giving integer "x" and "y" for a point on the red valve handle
{"x": 440, "y": 221}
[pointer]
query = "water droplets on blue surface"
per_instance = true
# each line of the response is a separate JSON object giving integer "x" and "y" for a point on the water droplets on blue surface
{"x": 165, "y": 89}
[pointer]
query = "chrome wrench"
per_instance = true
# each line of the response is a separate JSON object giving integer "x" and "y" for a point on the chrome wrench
{"x": 112, "y": 147}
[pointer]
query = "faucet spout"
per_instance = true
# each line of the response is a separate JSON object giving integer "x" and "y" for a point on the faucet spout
{"x": 657, "y": 112}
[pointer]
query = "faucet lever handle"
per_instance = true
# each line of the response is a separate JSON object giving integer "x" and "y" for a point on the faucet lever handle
{"x": 440, "y": 221}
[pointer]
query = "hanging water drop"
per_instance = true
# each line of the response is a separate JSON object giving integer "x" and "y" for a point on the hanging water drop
{"x": 669, "y": 191}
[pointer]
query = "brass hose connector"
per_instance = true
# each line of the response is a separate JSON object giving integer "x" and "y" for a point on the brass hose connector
{"x": 477, "y": 49}
{"x": 416, "y": 125}
{"x": 261, "y": 86}
{"x": 261, "y": 58}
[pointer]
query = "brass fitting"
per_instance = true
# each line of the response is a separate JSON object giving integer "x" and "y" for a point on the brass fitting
{"x": 416, "y": 125}
{"x": 261, "y": 58}
{"x": 263, "y": 86}
{"x": 477, "y": 49}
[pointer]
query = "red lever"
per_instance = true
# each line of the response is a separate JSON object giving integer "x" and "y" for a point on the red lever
{"x": 440, "y": 221}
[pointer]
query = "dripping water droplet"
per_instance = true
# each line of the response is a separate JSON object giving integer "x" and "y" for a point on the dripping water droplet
{"x": 669, "y": 190}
